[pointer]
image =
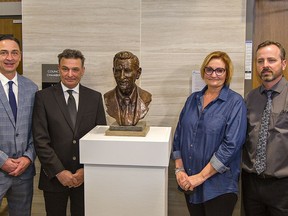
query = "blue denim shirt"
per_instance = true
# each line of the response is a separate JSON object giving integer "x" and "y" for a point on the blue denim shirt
{"x": 215, "y": 134}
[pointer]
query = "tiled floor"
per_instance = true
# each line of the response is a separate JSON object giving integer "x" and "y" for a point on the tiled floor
{"x": 176, "y": 202}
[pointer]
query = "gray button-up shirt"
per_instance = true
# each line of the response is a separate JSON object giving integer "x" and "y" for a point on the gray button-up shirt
{"x": 277, "y": 143}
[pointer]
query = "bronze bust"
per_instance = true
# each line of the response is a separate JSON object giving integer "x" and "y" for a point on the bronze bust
{"x": 127, "y": 103}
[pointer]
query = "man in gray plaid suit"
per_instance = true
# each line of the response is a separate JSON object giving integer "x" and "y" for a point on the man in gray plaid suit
{"x": 16, "y": 145}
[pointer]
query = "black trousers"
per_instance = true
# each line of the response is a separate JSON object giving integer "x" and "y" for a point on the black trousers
{"x": 56, "y": 202}
{"x": 264, "y": 196}
{"x": 219, "y": 206}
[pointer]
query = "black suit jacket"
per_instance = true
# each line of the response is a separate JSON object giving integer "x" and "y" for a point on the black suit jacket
{"x": 56, "y": 141}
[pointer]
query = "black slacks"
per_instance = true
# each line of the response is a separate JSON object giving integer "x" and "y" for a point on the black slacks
{"x": 56, "y": 202}
{"x": 264, "y": 196}
{"x": 222, "y": 205}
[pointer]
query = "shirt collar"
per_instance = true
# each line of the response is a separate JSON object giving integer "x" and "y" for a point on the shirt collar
{"x": 278, "y": 87}
{"x": 132, "y": 96}
{"x": 4, "y": 79}
{"x": 76, "y": 88}
{"x": 223, "y": 93}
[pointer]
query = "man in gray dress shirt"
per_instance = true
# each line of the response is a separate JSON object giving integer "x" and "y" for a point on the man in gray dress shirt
{"x": 265, "y": 192}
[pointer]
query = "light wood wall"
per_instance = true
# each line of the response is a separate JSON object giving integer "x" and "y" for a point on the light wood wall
{"x": 170, "y": 37}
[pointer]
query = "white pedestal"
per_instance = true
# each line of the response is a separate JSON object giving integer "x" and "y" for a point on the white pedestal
{"x": 126, "y": 176}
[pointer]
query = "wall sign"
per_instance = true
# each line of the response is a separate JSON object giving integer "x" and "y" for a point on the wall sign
{"x": 50, "y": 75}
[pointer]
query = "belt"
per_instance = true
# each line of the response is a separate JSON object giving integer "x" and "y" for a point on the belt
{"x": 261, "y": 175}
{"x": 264, "y": 176}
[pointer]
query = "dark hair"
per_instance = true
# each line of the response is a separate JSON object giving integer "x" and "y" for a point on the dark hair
{"x": 9, "y": 37}
{"x": 123, "y": 55}
{"x": 225, "y": 58}
{"x": 268, "y": 43}
{"x": 71, "y": 54}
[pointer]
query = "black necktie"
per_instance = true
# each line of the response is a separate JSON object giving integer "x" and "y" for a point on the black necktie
{"x": 72, "y": 107}
{"x": 12, "y": 100}
{"x": 260, "y": 162}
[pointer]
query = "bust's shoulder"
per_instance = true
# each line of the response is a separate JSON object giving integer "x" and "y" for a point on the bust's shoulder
{"x": 144, "y": 92}
{"x": 145, "y": 95}
{"x": 110, "y": 93}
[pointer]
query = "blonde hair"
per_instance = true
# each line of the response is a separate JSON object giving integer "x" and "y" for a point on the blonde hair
{"x": 225, "y": 58}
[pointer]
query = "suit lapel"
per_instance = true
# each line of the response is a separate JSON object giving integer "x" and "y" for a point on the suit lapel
{"x": 6, "y": 105}
{"x": 114, "y": 107}
{"x": 60, "y": 99}
{"x": 140, "y": 107}
{"x": 21, "y": 98}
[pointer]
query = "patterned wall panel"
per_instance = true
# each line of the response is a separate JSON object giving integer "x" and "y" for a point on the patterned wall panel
{"x": 171, "y": 38}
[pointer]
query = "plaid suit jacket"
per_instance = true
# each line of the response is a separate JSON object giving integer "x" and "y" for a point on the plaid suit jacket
{"x": 16, "y": 138}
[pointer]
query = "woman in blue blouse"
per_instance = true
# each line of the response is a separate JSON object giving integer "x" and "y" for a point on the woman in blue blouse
{"x": 208, "y": 141}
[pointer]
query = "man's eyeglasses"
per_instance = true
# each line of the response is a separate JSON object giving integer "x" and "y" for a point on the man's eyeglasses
{"x": 218, "y": 71}
{"x": 5, "y": 53}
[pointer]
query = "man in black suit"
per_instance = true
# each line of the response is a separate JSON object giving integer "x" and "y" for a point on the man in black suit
{"x": 56, "y": 134}
{"x": 127, "y": 103}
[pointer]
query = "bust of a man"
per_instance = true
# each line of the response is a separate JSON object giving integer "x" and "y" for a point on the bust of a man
{"x": 127, "y": 103}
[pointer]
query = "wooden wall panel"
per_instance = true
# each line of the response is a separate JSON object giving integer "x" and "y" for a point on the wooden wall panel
{"x": 8, "y": 27}
{"x": 270, "y": 24}
{"x": 10, "y": 0}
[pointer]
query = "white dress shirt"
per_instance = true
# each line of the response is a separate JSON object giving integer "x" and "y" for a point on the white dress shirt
{"x": 4, "y": 82}
{"x": 75, "y": 94}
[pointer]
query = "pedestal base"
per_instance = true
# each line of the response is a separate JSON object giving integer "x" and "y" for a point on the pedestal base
{"x": 141, "y": 129}
{"x": 125, "y": 175}
{"x": 142, "y": 133}
{"x": 125, "y": 191}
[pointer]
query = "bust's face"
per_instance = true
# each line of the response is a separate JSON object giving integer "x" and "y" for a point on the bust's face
{"x": 126, "y": 73}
